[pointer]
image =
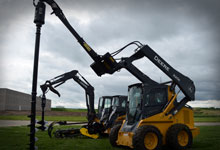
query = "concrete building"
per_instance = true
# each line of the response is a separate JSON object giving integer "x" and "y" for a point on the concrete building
{"x": 14, "y": 100}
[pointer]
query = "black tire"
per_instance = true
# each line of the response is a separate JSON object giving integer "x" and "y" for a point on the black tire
{"x": 174, "y": 132}
{"x": 113, "y": 136}
{"x": 140, "y": 134}
{"x": 58, "y": 134}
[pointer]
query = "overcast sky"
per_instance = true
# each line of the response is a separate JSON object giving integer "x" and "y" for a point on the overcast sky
{"x": 186, "y": 33}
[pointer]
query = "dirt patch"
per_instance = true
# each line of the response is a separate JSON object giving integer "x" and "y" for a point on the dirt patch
{"x": 47, "y": 113}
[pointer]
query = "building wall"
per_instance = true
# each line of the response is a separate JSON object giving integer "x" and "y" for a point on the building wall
{"x": 2, "y": 99}
{"x": 14, "y": 100}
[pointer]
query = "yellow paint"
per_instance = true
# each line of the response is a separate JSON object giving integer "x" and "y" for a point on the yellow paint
{"x": 88, "y": 48}
{"x": 170, "y": 105}
{"x": 150, "y": 141}
{"x": 125, "y": 139}
{"x": 112, "y": 59}
{"x": 85, "y": 132}
{"x": 107, "y": 131}
{"x": 106, "y": 65}
{"x": 97, "y": 120}
{"x": 120, "y": 118}
{"x": 183, "y": 138}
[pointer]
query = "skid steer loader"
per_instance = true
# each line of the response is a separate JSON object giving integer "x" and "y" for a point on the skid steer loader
{"x": 95, "y": 125}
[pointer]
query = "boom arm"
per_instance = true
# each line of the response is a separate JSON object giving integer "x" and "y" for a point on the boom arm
{"x": 127, "y": 64}
{"x": 185, "y": 84}
{"x": 103, "y": 63}
{"x": 107, "y": 64}
{"x": 89, "y": 90}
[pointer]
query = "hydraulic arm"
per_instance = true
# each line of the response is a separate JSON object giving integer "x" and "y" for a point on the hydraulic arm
{"x": 103, "y": 62}
{"x": 94, "y": 125}
{"x": 185, "y": 84}
{"x": 89, "y": 89}
{"x": 107, "y": 64}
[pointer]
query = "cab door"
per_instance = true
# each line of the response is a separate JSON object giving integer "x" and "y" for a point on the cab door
{"x": 154, "y": 100}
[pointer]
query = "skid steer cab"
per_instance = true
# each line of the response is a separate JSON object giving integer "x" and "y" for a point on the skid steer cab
{"x": 112, "y": 110}
{"x": 150, "y": 122}
{"x": 118, "y": 110}
{"x": 104, "y": 106}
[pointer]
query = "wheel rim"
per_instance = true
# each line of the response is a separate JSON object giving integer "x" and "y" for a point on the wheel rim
{"x": 57, "y": 134}
{"x": 183, "y": 138}
{"x": 151, "y": 141}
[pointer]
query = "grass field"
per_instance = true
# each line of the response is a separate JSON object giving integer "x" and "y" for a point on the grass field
{"x": 48, "y": 118}
{"x": 206, "y": 115}
{"x": 207, "y": 119}
{"x": 209, "y": 112}
{"x": 79, "y": 118}
{"x": 15, "y": 138}
{"x": 200, "y": 115}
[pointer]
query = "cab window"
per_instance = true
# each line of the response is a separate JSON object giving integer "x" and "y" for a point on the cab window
{"x": 123, "y": 104}
{"x": 107, "y": 103}
{"x": 155, "y": 97}
{"x": 116, "y": 102}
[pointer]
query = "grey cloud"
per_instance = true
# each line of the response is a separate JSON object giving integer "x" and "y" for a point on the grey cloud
{"x": 63, "y": 44}
{"x": 184, "y": 33}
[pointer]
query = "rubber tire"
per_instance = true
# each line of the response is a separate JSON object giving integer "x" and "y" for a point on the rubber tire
{"x": 172, "y": 140}
{"x": 139, "y": 135}
{"x": 113, "y": 136}
{"x": 57, "y": 134}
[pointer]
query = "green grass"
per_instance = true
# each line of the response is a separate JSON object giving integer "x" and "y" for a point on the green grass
{"x": 206, "y": 112}
{"x": 15, "y": 138}
{"x": 48, "y": 118}
{"x": 200, "y": 115}
{"x": 206, "y": 115}
{"x": 18, "y": 134}
{"x": 208, "y": 139}
{"x": 80, "y": 118}
{"x": 207, "y": 119}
